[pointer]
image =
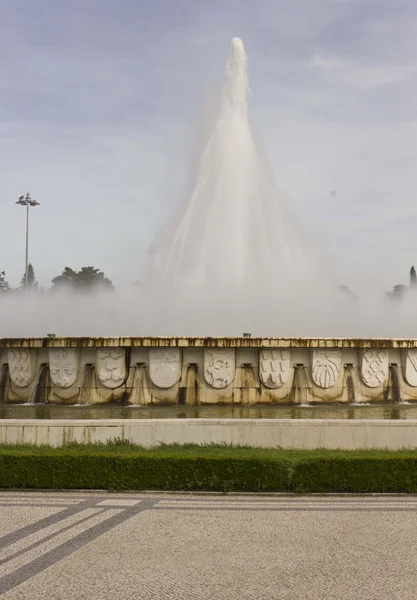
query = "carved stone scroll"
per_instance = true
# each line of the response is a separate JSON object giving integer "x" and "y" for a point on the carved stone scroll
{"x": 219, "y": 366}
{"x": 274, "y": 367}
{"x": 21, "y": 366}
{"x": 164, "y": 366}
{"x": 327, "y": 364}
{"x": 411, "y": 367}
{"x": 63, "y": 366}
{"x": 374, "y": 367}
{"x": 111, "y": 366}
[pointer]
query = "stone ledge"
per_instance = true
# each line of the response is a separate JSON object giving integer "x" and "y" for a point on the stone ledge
{"x": 206, "y": 342}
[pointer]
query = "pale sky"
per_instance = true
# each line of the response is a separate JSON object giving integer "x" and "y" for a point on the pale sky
{"x": 100, "y": 103}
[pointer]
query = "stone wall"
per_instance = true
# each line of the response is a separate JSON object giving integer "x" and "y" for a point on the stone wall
{"x": 148, "y": 371}
{"x": 306, "y": 434}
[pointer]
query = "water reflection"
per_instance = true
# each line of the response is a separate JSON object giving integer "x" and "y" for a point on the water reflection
{"x": 328, "y": 411}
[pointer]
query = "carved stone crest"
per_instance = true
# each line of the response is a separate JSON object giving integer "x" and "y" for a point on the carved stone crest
{"x": 111, "y": 366}
{"x": 374, "y": 367}
{"x": 219, "y": 367}
{"x": 63, "y": 366}
{"x": 21, "y": 367}
{"x": 327, "y": 364}
{"x": 411, "y": 367}
{"x": 164, "y": 366}
{"x": 274, "y": 367}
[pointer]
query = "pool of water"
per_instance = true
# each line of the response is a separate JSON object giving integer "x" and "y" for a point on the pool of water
{"x": 109, "y": 411}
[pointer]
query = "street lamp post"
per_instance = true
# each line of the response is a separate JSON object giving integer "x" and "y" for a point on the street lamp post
{"x": 27, "y": 201}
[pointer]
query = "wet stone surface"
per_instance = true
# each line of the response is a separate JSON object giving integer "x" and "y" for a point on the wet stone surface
{"x": 114, "y": 411}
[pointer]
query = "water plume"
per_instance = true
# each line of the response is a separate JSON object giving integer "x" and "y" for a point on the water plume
{"x": 234, "y": 232}
{"x": 231, "y": 260}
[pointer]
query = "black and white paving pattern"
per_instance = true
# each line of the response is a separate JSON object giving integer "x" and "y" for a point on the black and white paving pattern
{"x": 144, "y": 546}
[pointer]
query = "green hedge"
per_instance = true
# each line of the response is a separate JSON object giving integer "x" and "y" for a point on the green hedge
{"x": 68, "y": 469}
{"x": 206, "y": 468}
{"x": 355, "y": 474}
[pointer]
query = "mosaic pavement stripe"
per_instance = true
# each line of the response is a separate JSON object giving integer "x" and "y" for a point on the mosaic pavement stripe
{"x": 33, "y": 505}
{"x": 122, "y": 502}
{"x": 30, "y": 541}
{"x": 16, "y": 535}
{"x": 288, "y": 508}
{"x": 55, "y": 541}
{"x": 283, "y": 504}
{"x": 280, "y": 508}
{"x": 22, "y": 500}
{"x": 60, "y": 496}
{"x": 75, "y": 543}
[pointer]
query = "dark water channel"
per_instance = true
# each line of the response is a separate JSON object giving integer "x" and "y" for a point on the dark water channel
{"x": 110, "y": 411}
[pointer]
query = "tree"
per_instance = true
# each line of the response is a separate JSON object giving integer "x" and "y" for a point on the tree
{"x": 4, "y": 284}
{"x": 397, "y": 292}
{"x": 87, "y": 279}
{"x": 66, "y": 279}
{"x": 32, "y": 283}
{"x": 413, "y": 277}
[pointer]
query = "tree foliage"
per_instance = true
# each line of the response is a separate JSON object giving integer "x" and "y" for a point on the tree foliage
{"x": 4, "y": 284}
{"x": 32, "y": 283}
{"x": 400, "y": 290}
{"x": 397, "y": 292}
{"x": 87, "y": 279}
{"x": 413, "y": 277}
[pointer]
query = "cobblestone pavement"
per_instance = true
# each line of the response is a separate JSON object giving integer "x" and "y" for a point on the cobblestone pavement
{"x": 132, "y": 546}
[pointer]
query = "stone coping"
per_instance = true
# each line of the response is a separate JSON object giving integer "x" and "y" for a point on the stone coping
{"x": 204, "y": 422}
{"x": 206, "y": 342}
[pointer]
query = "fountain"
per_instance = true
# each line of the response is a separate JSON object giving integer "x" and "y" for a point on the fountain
{"x": 234, "y": 229}
{"x": 233, "y": 251}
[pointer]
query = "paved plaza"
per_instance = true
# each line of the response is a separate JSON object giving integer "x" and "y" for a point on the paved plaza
{"x": 134, "y": 546}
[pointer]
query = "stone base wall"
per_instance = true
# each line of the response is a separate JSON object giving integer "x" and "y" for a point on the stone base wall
{"x": 171, "y": 371}
{"x": 307, "y": 434}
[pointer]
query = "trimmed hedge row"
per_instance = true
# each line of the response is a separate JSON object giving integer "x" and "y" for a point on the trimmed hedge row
{"x": 130, "y": 472}
{"x": 217, "y": 470}
{"x": 359, "y": 474}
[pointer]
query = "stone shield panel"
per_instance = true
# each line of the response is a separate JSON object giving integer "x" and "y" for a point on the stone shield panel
{"x": 111, "y": 366}
{"x": 21, "y": 366}
{"x": 63, "y": 366}
{"x": 219, "y": 367}
{"x": 374, "y": 367}
{"x": 326, "y": 368}
{"x": 274, "y": 367}
{"x": 411, "y": 367}
{"x": 164, "y": 366}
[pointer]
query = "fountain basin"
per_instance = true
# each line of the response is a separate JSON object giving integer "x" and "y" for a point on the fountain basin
{"x": 156, "y": 371}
